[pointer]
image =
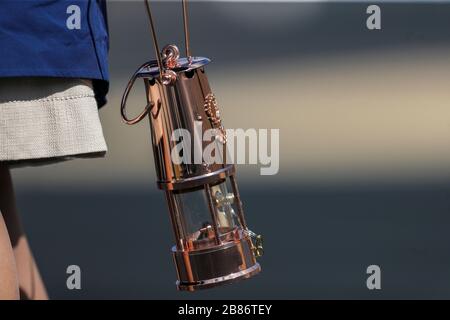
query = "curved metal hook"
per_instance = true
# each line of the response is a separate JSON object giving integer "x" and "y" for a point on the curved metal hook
{"x": 123, "y": 104}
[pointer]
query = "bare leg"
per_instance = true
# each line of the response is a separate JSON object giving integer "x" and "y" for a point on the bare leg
{"x": 9, "y": 287}
{"x": 30, "y": 281}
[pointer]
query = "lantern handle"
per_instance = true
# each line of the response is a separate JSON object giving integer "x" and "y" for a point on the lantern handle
{"x": 166, "y": 76}
{"x": 186, "y": 29}
{"x": 161, "y": 66}
{"x": 123, "y": 103}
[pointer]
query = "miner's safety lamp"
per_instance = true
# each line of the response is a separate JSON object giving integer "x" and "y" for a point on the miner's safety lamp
{"x": 213, "y": 243}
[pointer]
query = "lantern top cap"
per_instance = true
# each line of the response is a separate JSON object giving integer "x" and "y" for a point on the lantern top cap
{"x": 151, "y": 70}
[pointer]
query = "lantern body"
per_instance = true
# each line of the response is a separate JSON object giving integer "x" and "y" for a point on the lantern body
{"x": 213, "y": 244}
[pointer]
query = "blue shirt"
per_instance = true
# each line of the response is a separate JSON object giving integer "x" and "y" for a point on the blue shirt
{"x": 55, "y": 38}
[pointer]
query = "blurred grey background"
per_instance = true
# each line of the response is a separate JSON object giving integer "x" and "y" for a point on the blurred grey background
{"x": 364, "y": 121}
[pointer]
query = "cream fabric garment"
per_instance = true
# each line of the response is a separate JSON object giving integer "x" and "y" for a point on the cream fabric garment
{"x": 48, "y": 119}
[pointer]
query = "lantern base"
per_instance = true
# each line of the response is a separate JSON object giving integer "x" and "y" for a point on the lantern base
{"x": 210, "y": 283}
{"x": 226, "y": 263}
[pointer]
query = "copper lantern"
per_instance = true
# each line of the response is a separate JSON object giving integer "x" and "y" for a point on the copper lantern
{"x": 213, "y": 243}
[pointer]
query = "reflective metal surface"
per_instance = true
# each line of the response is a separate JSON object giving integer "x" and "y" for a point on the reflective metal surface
{"x": 181, "y": 106}
{"x": 150, "y": 69}
{"x": 215, "y": 266}
{"x": 213, "y": 244}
